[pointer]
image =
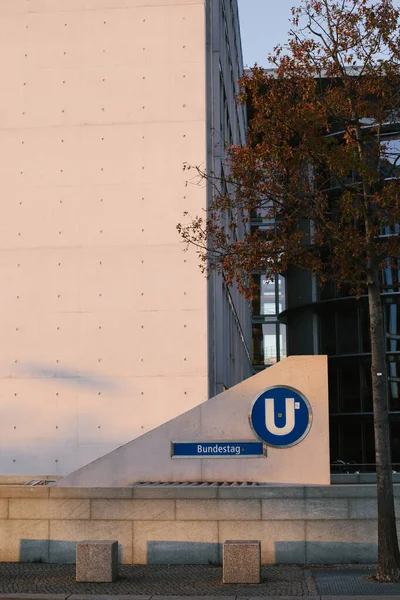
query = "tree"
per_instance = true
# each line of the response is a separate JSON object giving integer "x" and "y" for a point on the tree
{"x": 317, "y": 124}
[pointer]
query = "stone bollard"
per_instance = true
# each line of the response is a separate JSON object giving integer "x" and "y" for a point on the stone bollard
{"x": 96, "y": 561}
{"x": 241, "y": 561}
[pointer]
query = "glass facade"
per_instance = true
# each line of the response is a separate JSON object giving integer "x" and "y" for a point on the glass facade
{"x": 343, "y": 334}
{"x": 328, "y": 320}
{"x": 269, "y": 335}
{"x": 342, "y": 325}
{"x": 344, "y": 337}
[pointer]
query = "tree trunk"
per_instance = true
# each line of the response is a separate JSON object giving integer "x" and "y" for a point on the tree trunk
{"x": 388, "y": 548}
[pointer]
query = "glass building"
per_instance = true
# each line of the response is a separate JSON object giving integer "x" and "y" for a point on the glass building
{"x": 269, "y": 299}
{"x": 295, "y": 315}
{"x": 269, "y": 335}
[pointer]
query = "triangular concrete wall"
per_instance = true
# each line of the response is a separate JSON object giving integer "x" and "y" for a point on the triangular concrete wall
{"x": 225, "y": 417}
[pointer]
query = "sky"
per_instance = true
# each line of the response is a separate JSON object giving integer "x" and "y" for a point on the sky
{"x": 263, "y": 25}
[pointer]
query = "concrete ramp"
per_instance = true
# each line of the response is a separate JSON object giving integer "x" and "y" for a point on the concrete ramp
{"x": 225, "y": 418}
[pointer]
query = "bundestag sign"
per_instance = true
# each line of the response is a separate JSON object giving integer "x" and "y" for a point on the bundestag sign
{"x": 218, "y": 449}
{"x": 280, "y": 417}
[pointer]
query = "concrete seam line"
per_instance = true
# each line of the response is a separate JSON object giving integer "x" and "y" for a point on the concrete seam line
{"x": 133, "y": 542}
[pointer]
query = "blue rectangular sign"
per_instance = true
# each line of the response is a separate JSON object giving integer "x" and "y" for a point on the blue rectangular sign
{"x": 223, "y": 449}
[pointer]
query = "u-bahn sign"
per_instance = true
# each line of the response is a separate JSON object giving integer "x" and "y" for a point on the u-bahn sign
{"x": 281, "y": 416}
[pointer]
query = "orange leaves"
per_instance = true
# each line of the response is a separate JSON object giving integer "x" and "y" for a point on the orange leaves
{"x": 312, "y": 174}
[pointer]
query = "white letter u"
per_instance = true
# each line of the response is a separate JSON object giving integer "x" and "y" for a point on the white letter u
{"x": 270, "y": 416}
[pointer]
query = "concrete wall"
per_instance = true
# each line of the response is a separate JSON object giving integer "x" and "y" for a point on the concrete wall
{"x": 225, "y": 417}
{"x": 104, "y": 319}
{"x": 186, "y": 524}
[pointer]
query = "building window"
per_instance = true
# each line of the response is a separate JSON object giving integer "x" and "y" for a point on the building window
{"x": 264, "y": 344}
{"x": 264, "y": 300}
{"x": 348, "y": 331}
{"x": 269, "y": 335}
{"x": 350, "y": 398}
{"x": 282, "y": 341}
{"x": 270, "y": 296}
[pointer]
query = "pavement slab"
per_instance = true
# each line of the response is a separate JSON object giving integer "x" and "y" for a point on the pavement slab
{"x": 155, "y": 580}
{"x": 25, "y": 596}
{"x": 349, "y": 582}
{"x": 106, "y": 597}
{"x": 40, "y": 581}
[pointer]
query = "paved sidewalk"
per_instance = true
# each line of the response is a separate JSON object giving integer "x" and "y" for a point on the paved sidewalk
{"x": 150, "y": 580}
{"x": 160, "y": 582}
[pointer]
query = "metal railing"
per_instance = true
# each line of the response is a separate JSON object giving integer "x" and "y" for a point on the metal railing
{"x": 352, "y": 467}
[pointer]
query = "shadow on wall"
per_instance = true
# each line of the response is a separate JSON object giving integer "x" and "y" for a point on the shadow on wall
{"x": 337, "y": 552}
{"x": 69, "y": 377}
{"x": 184, "y": 553}
{"x": 201, "y": 553}
{"x": 52, "y": 551}
{"x": 287, "y": 552}
{"x": 52, "y": 457}
{"x": 73, "y": 430}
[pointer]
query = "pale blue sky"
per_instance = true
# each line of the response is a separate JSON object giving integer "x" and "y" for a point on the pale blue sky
{"x": 264, "y": 24}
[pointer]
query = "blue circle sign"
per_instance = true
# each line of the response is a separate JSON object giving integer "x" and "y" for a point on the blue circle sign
{"x": 281, "y": 416}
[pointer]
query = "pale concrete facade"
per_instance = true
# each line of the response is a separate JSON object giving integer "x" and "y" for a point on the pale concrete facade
{"x": 226, "y": 417}
{"x": 183, "y": 524}
{"x": 108, "y": 328}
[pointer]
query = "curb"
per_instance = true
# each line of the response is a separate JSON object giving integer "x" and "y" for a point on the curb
{"x": 21, "y": 596}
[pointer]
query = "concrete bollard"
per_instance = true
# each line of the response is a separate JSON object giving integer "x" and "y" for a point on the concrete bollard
{"x": 241, "y": 561}
{"x": 96, "y": 561}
